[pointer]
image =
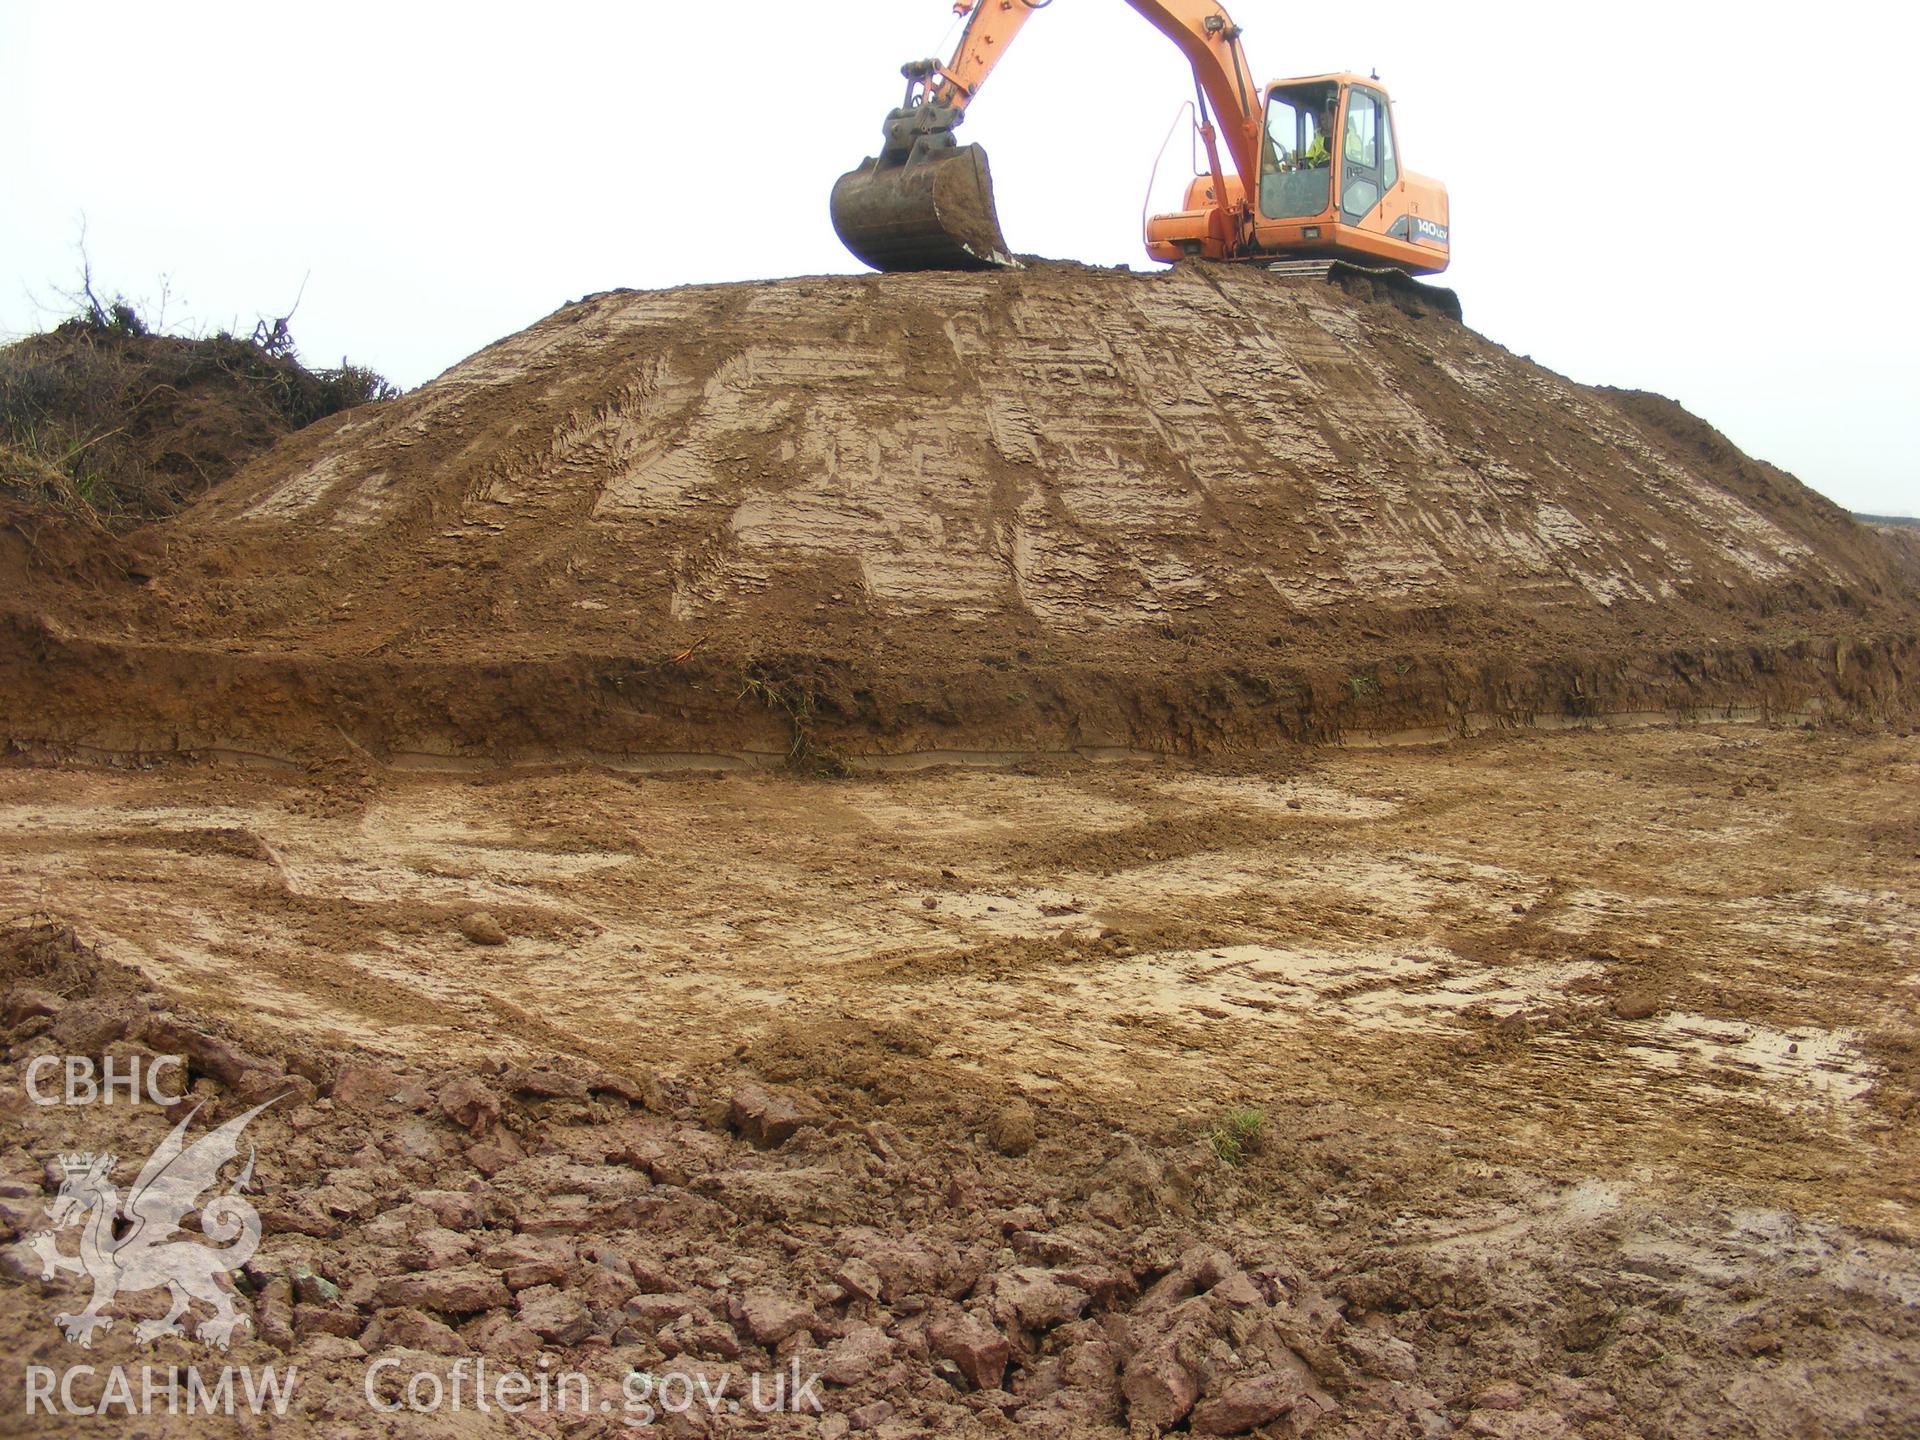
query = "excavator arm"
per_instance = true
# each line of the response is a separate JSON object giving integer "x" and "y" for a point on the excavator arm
{"x": 926, "y": 202}
{"x": 1202, "y": 30}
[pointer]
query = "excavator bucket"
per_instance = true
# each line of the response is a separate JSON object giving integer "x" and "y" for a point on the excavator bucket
{"x": 934, "y": 212}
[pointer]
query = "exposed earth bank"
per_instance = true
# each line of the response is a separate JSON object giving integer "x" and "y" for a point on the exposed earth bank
{"x": 1053, "y": 510}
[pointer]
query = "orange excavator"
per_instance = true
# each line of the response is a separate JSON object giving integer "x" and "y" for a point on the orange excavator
{"x": 1315, "y": 176}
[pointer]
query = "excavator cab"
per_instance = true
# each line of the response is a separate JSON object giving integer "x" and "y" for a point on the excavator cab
{"x": 1331, "y": 186}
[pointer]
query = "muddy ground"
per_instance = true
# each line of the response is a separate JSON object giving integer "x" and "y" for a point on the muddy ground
{"x": 1586, "y": 1067}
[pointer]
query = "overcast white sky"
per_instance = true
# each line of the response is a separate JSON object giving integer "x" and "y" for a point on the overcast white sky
{"x": 1663, "y": 196}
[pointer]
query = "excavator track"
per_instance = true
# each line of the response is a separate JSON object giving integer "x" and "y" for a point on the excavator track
{"x": 1401, "y": 287}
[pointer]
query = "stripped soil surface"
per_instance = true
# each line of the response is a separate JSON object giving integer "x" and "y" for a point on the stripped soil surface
{"x": 1586, "y": 1069}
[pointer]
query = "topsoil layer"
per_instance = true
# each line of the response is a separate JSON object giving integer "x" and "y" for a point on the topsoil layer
{"x": 1044, "y": 510}
{"x": 139, "y": 425}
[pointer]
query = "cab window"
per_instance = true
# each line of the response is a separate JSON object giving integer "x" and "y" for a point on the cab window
{"x": 1367, "y": 169}
{"x": 1297, "y": 168}
{"x": 1363, "y": 130}
{"x": 1389, "y": 164}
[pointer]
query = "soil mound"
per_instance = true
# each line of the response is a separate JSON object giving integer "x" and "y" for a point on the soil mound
{"x": 1051, "y": 509}
{"x": 111, "y": 423}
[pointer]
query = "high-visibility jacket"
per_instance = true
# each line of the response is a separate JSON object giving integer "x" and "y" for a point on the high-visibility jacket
{"x": 1316, "y": 154}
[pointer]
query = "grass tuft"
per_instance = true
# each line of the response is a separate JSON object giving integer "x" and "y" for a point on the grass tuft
{"x": 1240, "y": 1135}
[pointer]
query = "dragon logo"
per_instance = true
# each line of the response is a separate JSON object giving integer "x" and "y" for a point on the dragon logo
{"x": 141, "y": 1244}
